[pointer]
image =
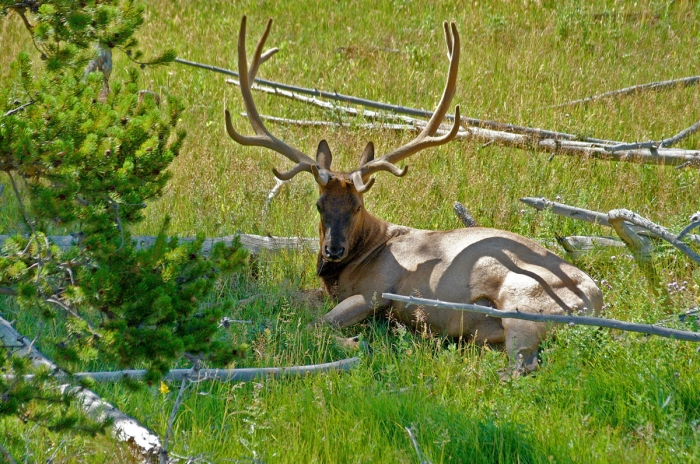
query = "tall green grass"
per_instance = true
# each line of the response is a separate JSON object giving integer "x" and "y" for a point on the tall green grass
{"x": 599, "y": 396}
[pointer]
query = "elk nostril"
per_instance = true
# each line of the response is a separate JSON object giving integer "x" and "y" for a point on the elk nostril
{"x": 333, "y": 251}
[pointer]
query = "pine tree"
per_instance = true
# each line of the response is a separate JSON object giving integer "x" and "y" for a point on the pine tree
{"x": 83, "y": 153}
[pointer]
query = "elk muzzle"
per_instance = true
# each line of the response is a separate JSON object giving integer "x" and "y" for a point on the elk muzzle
{"x": 333, "y": 247}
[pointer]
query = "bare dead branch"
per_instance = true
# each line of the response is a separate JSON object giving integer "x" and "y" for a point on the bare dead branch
{"x": 464, "y": 215}
{"x": 542, "y": 204}
{"x": 412, "y": 436}
{"x": 685, "y": 82}
{"x": 694, "y": 222}
{"x": 371, "y": 126}
{"x": 246, "y": 374}
{"x": 8, "y": 291}
{"x": 7, "y": 456}
{"x": 18, "y": 109}
{"x": 649, "y": 329}
{"x": 163, "y": 457}
{"x": 576, "y": 245}
{"x": 556, "y": 143}
{"x": 661, "y": 143}
{"x": 641, "y": 250}
{"x": 655, "y": 229}
{"x": 594, "y": 217}
{"x": 398, "y": 112}
{"x": 255, "y": 244}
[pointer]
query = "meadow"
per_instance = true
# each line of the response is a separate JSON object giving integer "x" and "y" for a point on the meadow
{"x": 600, "y": 396}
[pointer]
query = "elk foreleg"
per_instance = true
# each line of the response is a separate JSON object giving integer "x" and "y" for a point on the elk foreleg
{"x": 522, "y": 343}
{"x": 350, "y": 311}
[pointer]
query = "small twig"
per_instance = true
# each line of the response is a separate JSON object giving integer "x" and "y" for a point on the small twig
{"x": 18, "y": 109}
{"x": 72, "y": 312}
{"x": 464, "y": 215}
{"x": 686, "y": 81}
{"x": 226, "y": 322}
{"x": 421, "y": 458}
{"x": 694, "y": 222}
{"x": 250, "y": 299}
{"x": 7, "y": 456}
{"x": 178, "y": 402}
{"x": 19, "y": 9}
{"x": 689, "y": 163}
{"x": 115, "y": 207}
{"x": 273, "y": 193}
{"x": 18, "y": 195}
{"x": 649, "y": 329}
{"x": 660, "y": 144}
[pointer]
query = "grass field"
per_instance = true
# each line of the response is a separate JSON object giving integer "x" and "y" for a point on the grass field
{"x": 599, "y": 396}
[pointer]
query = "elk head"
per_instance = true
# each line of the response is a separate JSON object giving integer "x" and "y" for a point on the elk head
{"x": 340, "y": 203}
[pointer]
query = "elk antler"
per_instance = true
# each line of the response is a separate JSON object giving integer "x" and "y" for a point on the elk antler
{"x": 426, "y": 138}
{"x": 263, "y": 138}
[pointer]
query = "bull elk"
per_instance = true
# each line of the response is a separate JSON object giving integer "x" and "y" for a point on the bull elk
{"x": 361, "y": 256}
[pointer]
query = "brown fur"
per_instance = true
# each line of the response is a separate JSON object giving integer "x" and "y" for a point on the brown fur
{"x": 474, "y": 265}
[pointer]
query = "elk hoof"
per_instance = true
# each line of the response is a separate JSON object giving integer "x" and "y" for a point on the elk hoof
{"x": 352, "y": 343}
{"x": 511, "y": 373}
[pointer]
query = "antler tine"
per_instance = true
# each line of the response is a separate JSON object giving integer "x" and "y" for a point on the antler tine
{"x": 427, "y": 137}
{"x": 263, "y": 138}
{"x": 258, "y": 57}
{"x": 448, "y": 39}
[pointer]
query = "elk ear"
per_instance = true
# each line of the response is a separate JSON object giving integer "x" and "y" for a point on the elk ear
{"x": 323, "y": 155}
{"x": 367, "y": 155}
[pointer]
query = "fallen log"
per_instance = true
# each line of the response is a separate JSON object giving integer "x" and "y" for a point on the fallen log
{"x": 255, "y": 244}
{"x": 125, "y": 428}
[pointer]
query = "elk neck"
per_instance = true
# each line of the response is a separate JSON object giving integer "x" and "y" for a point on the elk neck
{"x": 366, "y": 239}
